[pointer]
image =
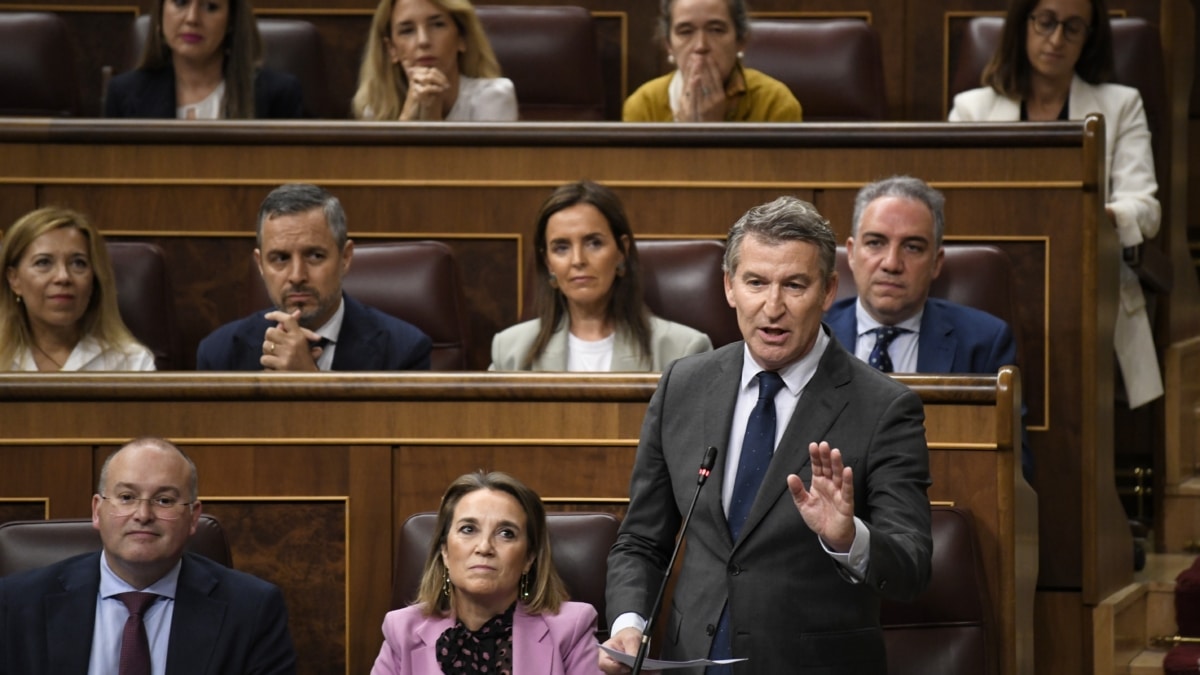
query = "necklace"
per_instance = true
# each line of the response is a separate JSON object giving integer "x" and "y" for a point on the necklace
{"x": 43, "y": 352}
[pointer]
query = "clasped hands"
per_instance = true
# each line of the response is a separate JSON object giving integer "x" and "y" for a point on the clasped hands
{"x": 703, "y": 90}
{"x": 287, "y": 345}
{"x": 427, "y": 87}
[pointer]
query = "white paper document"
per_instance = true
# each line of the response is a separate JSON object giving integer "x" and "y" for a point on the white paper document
{"x": 656, "y": 664}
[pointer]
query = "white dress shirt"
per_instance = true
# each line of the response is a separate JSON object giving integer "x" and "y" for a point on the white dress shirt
{"x": 111, "y": 614}
{"x": 904, "y": 347}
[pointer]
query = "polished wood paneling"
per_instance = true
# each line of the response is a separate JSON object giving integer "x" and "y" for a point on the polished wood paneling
{"x": 23, "y": 509}
{"x": 312, "y": 475}
{"x": 299, "y": 545}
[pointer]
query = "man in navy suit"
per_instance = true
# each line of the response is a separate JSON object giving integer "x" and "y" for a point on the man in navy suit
{"x": 303, "y": 253}
{"x": 895, "y": 252}
{"x": 202, "y": 618}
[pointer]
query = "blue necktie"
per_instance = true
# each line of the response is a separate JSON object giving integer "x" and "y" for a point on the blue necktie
{"x": 757, "y": 448}
{"x": 880, "y": 359}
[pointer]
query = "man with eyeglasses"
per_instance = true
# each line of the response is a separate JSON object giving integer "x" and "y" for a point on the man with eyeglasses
{"x": 142, "y": 606}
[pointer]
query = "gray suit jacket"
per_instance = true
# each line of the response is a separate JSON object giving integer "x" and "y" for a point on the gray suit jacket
{"x": 793, "y": 608}
{"x": 668, "y": 341}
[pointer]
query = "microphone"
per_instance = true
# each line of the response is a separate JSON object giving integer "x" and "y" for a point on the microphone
{"x": 706, "y": 465}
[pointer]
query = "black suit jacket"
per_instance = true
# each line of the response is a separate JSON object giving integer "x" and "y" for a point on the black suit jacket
{"x": 369, "y": 340}
{"x": 225, "y": 622}
{"x": 151, "y": 94}
{"x": 793, "y": 608}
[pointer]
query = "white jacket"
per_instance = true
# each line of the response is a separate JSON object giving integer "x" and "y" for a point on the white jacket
{"x": 1129, "y": 164}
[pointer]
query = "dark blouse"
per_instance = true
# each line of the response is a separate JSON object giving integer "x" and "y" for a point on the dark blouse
{"x": 461, "y": 651}
{"x": 1062, "y": 114}
{"x": 151, "y": 94}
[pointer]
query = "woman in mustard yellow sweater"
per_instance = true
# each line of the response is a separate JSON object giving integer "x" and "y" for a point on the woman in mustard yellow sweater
{"x": 703, "y": 39}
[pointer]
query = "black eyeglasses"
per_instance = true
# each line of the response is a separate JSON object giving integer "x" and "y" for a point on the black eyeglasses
{"x": 1046, "y": 23}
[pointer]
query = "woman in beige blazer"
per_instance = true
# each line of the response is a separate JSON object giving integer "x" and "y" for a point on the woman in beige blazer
{"x": 591, "y": 316}
{"x": 1054, "y": 60}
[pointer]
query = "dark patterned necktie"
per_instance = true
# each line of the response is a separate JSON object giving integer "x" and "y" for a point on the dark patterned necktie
{"x": 880, "y": 359}
{"x": 135, "y": 647}
{"x": 758, "y": 446}
{"x": 322, "y": 342}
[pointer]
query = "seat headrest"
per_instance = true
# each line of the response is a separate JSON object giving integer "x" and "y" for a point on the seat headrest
{"x": 833, "y": 67}
{"x": 38, "y": 76}
{"x": 30, "y": 544}
{"x": 550, "y": 55}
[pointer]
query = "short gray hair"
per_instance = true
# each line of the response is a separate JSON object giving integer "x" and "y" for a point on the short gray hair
{"x": 293, "y": 198}
{"x": 905, "y": 187}
{"x": 161, "y": 444}
{"x": 785, "y": 219}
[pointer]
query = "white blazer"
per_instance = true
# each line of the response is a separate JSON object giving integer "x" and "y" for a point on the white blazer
{"x": 668, "y": 341}
{"x": 1129, "y": 163}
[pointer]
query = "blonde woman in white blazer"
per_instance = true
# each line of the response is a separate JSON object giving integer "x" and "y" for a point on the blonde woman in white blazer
{"x": 1053, "y": 62}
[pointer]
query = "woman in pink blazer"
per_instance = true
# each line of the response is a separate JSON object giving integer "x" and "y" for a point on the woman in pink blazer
{"x": 489, "y": 593}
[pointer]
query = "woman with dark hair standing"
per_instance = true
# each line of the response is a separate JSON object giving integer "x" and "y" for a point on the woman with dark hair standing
{"x": 202, "y": 61}
{"x": 591, "y": 316}
{"x": 1054, "y": 62}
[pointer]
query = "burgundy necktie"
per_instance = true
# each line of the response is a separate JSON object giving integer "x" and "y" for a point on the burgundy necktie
{"x": 135, "y": 647}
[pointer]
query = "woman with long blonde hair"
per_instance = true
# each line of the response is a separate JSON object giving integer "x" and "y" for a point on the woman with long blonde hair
{"x": 58, "y": 299}
{"x": 429, "y": 60}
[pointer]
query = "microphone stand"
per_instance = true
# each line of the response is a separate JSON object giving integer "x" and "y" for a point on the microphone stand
{"x": 706, "y": 465}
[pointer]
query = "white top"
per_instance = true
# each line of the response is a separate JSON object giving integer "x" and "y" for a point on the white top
{"x": 89, "y": 354}
{"x": 208, "y": 109}
{"x": 590, "y": 356}
{"x": 492, "y": 99}
{"x": 905, "y": 346}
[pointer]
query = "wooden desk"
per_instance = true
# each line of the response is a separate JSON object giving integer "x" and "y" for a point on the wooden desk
{"x": 312, "y": 475}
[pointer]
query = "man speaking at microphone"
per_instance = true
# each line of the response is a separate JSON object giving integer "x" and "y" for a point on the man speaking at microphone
{"x": 817, "y": 504}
